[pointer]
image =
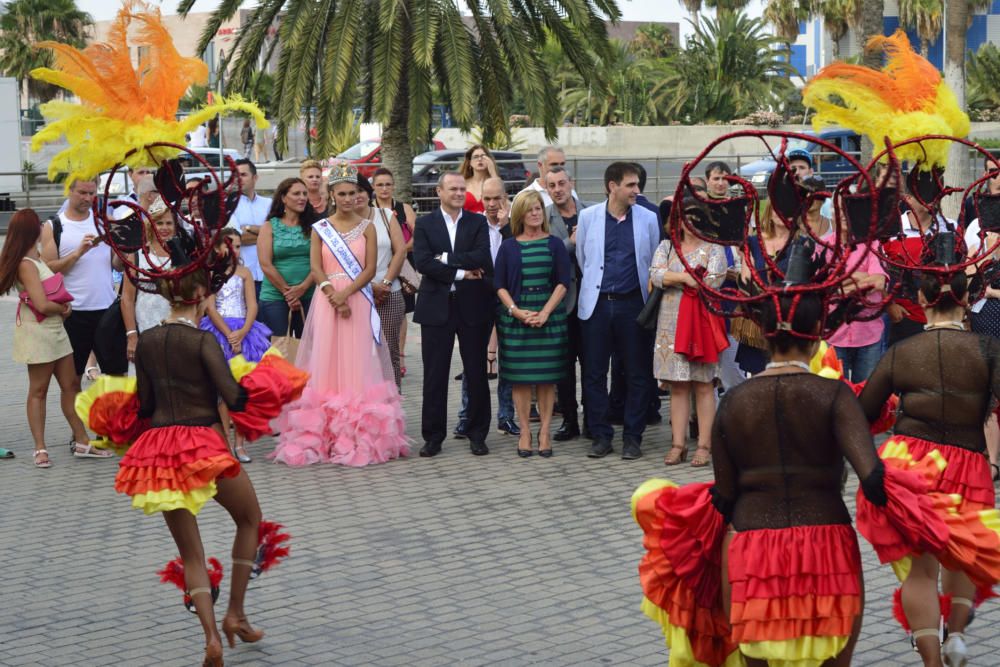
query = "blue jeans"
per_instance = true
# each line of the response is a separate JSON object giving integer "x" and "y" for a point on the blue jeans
{"x": 274, "y": 315}
{"x": 859, "y": 362}
{"x": 612, "y": 329}
{"x": 505, "y": 400}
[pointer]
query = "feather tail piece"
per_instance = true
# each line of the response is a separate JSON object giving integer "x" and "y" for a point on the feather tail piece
{"x": 907, "y": 98}
{"x": 272, "y": 547}
{"x": 173, "y": 573}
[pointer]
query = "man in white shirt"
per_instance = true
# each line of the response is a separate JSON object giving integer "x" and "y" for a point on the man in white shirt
{"x": 71, "y": 246}
{"x": 198, "y": 137}
{"x": 251, "y": 212}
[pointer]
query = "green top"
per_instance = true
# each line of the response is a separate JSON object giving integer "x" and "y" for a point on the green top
{"x": 290, "y": 256}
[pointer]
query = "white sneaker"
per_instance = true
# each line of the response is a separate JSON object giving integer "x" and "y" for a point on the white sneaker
{"x": 954, "y": 651}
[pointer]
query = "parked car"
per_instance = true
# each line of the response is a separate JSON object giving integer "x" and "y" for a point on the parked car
{"x": 367, "y": 155}
{"x": 831, "y": 166}
{"x": 427, "y": 167}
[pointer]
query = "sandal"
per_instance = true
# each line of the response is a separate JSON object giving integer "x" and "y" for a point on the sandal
{"x": 88, "y": 451}
{"x": 702, "y": 457}
{"x": 6, "y": 453}
{"x": 677, "y": 454}
{"x": 42, "y": 464}
{"x": 491, "y": 359}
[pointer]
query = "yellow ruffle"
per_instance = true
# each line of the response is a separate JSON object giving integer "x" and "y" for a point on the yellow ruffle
{"x": 105, "y": 384}
{"x": 240, "y": 367}
{"x": 825, "y": 363}
{"x": 902, "y": 567}
{"x": 168, "y": 500}
{"x": 681, "y": 654}
{"x": 798, "y": 652}
{"x": 650, "y": 485}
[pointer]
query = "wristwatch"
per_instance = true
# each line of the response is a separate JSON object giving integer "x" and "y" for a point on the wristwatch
{"x": 510, "y": 309}
{"x": 387, "y": 283}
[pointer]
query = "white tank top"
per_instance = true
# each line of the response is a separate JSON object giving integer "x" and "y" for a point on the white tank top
{"x": 89, "y": 280}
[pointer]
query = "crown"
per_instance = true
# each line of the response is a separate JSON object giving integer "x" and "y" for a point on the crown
{"x": 157, "y": 207}
{"x": 342, "y": 172}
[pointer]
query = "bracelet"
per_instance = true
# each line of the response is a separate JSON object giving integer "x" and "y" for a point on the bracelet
{"x": 130, "y": 332}
{"x": 387, "y": 283}
{"x": 325, "y": 283}
{"x": 510, "y": 309}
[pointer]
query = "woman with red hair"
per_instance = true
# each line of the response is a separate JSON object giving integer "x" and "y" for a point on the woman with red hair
{"x": 40, "y": 341}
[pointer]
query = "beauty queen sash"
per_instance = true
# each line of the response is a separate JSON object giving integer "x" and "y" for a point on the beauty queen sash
{"x": 335, "y": 242}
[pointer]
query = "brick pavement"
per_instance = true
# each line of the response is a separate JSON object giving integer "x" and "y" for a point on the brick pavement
{"x": 456, "y": 560}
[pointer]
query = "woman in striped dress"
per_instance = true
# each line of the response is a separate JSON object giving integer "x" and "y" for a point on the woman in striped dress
{"x": 532, "y": 275}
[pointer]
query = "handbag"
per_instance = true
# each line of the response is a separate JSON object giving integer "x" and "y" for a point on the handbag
{"x": 55, "y": 291}
{"x": 650, "y": 313}
{"x": 287, "y": 345}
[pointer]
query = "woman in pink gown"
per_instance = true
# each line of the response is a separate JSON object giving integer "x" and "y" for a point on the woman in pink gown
{"x": 350, "y": 412}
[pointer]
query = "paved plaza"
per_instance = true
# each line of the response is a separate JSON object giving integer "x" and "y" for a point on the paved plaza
{"x": 456, "y": 560}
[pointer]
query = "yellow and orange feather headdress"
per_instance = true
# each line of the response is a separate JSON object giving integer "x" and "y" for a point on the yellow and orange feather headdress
{"x": 124, "y": 109}
{"x": 906, "y": 99}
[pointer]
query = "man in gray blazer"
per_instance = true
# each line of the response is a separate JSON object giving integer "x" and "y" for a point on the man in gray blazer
{"x": 615, "y": 242}
{"x": 563, "y": 214}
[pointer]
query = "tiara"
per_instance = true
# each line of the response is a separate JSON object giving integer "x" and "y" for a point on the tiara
{"x": 157, "y": 207}
{"x": 342, "y": 172}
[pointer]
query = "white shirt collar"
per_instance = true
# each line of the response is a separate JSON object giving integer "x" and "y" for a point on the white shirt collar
{"x": 447, "y": 218}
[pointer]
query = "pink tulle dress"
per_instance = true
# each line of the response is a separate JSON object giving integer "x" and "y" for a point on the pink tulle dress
{"x": 350, "y": 412}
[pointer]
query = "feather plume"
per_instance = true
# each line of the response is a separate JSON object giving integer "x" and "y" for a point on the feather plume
{"x": 271, "y": 548}
{"x": 907, "y": 98}
{"x": 122, "y": 108}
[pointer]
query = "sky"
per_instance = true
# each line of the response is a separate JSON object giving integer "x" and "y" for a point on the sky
{"x": 632, "y": 10}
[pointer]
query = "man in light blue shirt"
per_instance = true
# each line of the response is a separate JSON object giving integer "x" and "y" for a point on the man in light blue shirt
{"x": 251, "y": 212}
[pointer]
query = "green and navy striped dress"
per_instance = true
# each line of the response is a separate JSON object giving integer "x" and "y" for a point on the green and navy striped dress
{"x": 533, "y": 355}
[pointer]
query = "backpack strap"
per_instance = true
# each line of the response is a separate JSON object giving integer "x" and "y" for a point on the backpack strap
{"x": 56, "y": 223}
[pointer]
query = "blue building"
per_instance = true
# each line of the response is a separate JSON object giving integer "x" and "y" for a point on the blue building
{"x": 814, "y": 48}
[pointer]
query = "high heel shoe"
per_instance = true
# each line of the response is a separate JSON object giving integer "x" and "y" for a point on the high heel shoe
{"x": 525, "y": 453}
{"x": 213, "y": 656}
{"x": 491, "y": 359}
{"x": 676, "y": 455}
{"x": 545, "y": 452}
{"x": 234, "y": 627}
{"x": 242, "y": 457}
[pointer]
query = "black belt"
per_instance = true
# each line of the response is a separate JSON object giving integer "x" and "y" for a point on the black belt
{"x": 534, "y": 289}
{"x": 619, "y": 296}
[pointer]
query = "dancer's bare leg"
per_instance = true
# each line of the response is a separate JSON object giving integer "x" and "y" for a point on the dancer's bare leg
{"x": 237, "y": 495}
{"x": 922, "y": 608}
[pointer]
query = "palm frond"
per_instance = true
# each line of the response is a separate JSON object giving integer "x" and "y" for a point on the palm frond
{"x": 227, "y": 9}
{"x": 425, "y": 16}
{"x": 387, "y": 63}
{"x": 250, "y": 42}
{"x": 456, "y": 64}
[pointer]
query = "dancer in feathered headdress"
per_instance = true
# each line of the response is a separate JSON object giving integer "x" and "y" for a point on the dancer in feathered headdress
{"x": 124, "y": 109}
{"x": 181, "y": 460}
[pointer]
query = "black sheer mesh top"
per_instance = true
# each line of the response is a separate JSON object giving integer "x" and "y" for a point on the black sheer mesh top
{"x": 946, "y": 380}
{"x": 181, "y": 375}
{"x": 778, "y": 448}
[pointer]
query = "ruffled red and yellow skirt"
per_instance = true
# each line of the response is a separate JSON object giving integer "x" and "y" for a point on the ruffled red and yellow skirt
{"x": 795, "y": 592}
{"x": 175, "y": 467}
{"x": 966, "y": 473}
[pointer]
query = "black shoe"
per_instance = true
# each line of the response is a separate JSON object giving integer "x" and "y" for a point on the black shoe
{"x": 430, "y": 449}
{"x": 461, "y": 431}
{"x": 545, "y": 453}
{"x": 534, "y": 416}
{"x": 526, "y": 453}
{"x": 509, "y": 427}
{"x": 479, "y": 449}
{"x": 568, "y": 431}
{"x": 600, "y": 449}
{"x": 631, "y": 450}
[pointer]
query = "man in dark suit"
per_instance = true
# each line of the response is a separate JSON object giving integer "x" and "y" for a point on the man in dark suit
{"x": 451, "y": 248}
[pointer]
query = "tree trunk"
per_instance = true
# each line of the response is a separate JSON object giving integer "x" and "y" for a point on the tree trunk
{"x": 924, "y": 47}
{"x": 871, "y": 24}
{"x": 959, "y": 168}
{"x": 397, "y": 151}
{"x": 836, "y": 48}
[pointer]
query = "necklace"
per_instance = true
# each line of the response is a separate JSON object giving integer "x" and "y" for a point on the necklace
{"x": 949, "y": 324}
{"x": 788, "y": 364}
{"x": 181, "y": 320}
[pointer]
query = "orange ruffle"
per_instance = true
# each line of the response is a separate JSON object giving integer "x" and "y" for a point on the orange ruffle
{"x": 269, "y": 386}
{"x": 665, "y": 579}
{"x": 175, "y": 458}
{"x": 967, "y": 472}
{"x": 794, "y": 582}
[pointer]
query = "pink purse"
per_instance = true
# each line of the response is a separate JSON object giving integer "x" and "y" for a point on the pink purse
{"x": 55, "y": 291}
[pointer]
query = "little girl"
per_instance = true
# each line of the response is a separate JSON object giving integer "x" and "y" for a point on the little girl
{"x": 231, "y": 316}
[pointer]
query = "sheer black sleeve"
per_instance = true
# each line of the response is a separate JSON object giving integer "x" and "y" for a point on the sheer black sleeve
{"x": 724, "y": 492}
{"x": 879, "y": 387}
{"x": 144, "y": 387}
{"x": 855, "y": 441}
{"x": 230, "y": 391}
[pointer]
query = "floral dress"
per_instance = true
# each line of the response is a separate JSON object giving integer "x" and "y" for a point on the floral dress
{"x": 666, "y": 364}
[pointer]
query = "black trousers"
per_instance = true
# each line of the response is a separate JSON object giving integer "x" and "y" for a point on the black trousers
{"x": 566, "y": 389}
{"x": 435, "y": 350}
{"x": 98, "y": 332}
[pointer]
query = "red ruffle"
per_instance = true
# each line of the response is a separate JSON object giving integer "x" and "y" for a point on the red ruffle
{"x": 793, "y": 582}
{"x": 911, "y": 521}
{"x": 179, "y": 458}
{"x": 700, "y": 335}
{"x": 681, "y": 538}
{"x": 887, "y": 417}
{"x": 115, "y": 415}
{"x": 268, "y": 389}
{"x": 692, "y": 539}
{"x": 967, "y": 472}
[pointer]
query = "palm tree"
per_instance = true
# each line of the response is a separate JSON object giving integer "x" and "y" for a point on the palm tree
{"x": 957, "y": 18}
{"x": 926, "y": 17}
{"x": 693, "y": 8}
{"x": 983, "y": 77}
{"x": 730, "y": 67}
{"x": 838, "y": 17}
{"x": 726, "y": 6}
{"x": 397, "y": 50}
{"x": 652, "y": 40}
{"x": 27, "y": 22}
{"x": 784, "y": 16}
{"x": 619, "y": 92}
